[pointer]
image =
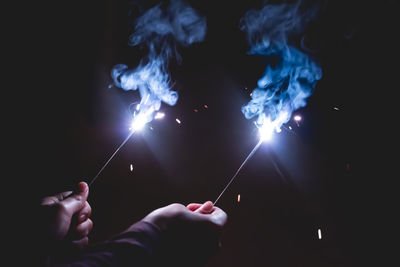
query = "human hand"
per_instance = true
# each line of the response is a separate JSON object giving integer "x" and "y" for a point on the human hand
{"x": 65, "y": 218}
{"x": 191, "y": 233}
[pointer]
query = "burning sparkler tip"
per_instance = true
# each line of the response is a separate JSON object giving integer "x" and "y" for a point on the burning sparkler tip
{"x": 138, "y": 122}
{"x": 265, "y": 133}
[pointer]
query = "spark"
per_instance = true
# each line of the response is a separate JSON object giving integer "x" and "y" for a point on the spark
{"x": 319, "y": 234}
{"x": 240, "y": 168}
{"x": 335, "y": 108}
{"x": 205, "y": 106}
{"x": 238, "y": 199}
{"x": 131, "y": 167}
{"x": 297, "y": 118}
{"x": 195, "y": 110}
{"x": 159, "y": 115}
{"x": 178, "y": 121}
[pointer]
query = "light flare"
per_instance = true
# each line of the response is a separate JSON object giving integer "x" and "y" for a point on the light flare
{"x": 138, "y": 122}
{"x": 265, "y": 132}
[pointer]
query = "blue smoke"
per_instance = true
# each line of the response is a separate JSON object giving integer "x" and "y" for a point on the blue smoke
{"x": 291, "y": 76}
{"x": 160, "y": 30}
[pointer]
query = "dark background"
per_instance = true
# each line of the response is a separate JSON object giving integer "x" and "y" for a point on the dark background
{"x": 334, "y": 163}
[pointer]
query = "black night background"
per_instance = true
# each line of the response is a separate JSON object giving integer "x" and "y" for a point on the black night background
{"x": 333, "y": 160}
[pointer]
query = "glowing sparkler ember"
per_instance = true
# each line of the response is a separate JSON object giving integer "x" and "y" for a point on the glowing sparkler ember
{"x": 319, "y": 234}
{"x": 159, "y": 115}
{"x": 297, "y": 118}
{"x": 178, "y": 121}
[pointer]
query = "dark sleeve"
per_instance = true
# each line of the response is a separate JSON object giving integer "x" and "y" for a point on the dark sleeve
{"x": 134, "y": 247}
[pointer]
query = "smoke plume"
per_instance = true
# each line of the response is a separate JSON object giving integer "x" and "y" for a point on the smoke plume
{"x": 160, "y": 30}
{"x": 290, "y": 75}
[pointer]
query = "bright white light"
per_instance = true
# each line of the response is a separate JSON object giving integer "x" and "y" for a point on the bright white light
{"x": 178, "y": 121}
{"x": 159, "y": 115}
{"x": 319, "y": 234}
{"x": 138, "y": 107}
{"x": 266, "y": 131}
{"x": 297, "y": 118}
{"x": 138, "y": 122}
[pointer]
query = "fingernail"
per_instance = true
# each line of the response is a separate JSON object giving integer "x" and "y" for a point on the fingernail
{"x": 82, "y": 187}
{"x": 208, "y": 205}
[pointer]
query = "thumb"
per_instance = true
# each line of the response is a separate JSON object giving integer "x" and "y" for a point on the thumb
{"x": 206, "y": 208}
{"x": 77, "y": 200}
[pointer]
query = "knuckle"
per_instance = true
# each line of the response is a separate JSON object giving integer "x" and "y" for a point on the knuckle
{"x": 62, "y": 208}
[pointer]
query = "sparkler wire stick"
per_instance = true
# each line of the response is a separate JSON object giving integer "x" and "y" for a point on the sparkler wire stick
{"x": 112, "y": 156}
{"x": 240, "y": 168}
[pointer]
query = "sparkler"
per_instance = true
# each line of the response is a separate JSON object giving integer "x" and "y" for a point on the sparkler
{"x": 286, "y": 84}
{"x": 138, "y": 123}
{"x": 265, "y": 133}
{"x": 238, "y": 170}
{"x": 180, "y": 24}
{"x": 112, "y": 156}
